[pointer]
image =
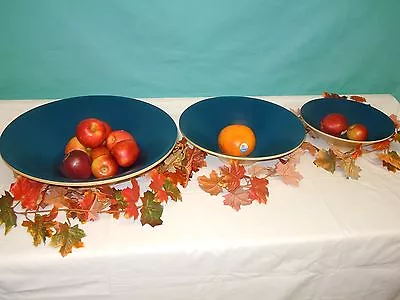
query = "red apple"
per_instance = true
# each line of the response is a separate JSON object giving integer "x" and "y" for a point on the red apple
{"x": 76, "y": 165}
{"x": 91, "y": 132}
{"x": 99, "y": 151}
{"x": 104, "y": 166}
{"x": 117, "y": 136}
{"x": 126, "y": 152}
{"x": 357, "y": 132}
{"x": 334, "y": 124}
{"x": 108, "y": 128}
{"x": 74, "y": 144}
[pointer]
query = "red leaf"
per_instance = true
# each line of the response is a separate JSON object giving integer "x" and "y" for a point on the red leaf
{"x": 237, "y": 198}
{"x": 27, "y": 191}
{"x": 158, "y": 180}
{"x": 395, "y": 120}
{"x": 131, "y": 196}
{"x": 161, "y": 196}
{"x": 259, "y": 190}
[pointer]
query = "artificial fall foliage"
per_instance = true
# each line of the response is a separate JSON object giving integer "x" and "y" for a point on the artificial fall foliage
{"x": 50, "y": 210}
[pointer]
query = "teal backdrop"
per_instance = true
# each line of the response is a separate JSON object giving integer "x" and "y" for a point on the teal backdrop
{"x": 177, "y": 48}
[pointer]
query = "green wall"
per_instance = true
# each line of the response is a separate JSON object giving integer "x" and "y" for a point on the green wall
{"x": 176, "y": 48}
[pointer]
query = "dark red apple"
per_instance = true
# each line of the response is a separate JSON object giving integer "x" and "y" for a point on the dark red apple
{"x": 104, "y": 166}
{"x": 126, "y": 152}
{"x": 76, "y": 165}
{"x": 357, "y": 132}
{"x": 117, "y": 136}
{"x": 91, "y": 132}
{"x": 334, "y": 124}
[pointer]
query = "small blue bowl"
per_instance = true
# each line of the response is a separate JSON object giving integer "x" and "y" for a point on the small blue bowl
{"x": 33, "y": 144}
{"x": 380, "y": 126}
{"x": 278, "y": 131}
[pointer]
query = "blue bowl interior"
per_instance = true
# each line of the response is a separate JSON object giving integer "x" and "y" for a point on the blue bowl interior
{"x": 277, "y": 130}
{"x": 379, "y": 125}
{"x": 33, "y": 144}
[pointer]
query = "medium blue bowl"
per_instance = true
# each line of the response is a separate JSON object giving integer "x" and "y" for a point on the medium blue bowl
{"x": 33, "y": 144}
{"x": 278, "y": 131}
{"x": 380, "y": 126}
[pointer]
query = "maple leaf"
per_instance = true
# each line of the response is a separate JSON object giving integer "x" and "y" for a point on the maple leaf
{"x": 7, "y": 214}
{"x": 67, "y": 237}
{"x": 117, "y": 204}
{"x": 27, "y": 191}
{"x": 196, "y": 159}
{"x": 172, "y": 190}
{"x": 151, "y": 210}
{"x": 357, "y": 152}
{"x": 174, "y": 161}
{"x": 391, "y": 160}
{"x": 157, "y": 180}
{"x": 131, "y": 197}
{"x": 161, "y": 196}
{"x": 212, "y": 184}
{"x": 42, "y": 227}
{"x": 237, "y": 198}
{"x": 351, "y": 170}
{"x": 396, "y": 137}
{"x": 231, "y": 175}
{"x": 395, "y": 120}
{"x": 310, "y": 148}
{"x": 54, "y": 195}
{"x": 358, "y": 99}
{"x": 333, "y": 95}
{"x": 259, "y": 171}
{"x": 384, "y": 145}
{"x": 326, "y": 160}
{"x": 258, "y": 189}
{"x": 287, "y": 172}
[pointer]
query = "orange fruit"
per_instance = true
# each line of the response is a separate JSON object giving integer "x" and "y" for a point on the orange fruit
{"x": 237, "y": 140}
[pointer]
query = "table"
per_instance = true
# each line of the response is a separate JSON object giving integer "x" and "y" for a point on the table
{"x": 329, "y": 238}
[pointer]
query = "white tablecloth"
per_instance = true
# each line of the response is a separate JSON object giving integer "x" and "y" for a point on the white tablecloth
{"x": 329, "y": 238}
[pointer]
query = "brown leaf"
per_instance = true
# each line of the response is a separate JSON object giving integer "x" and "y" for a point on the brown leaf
{"x": 310, "y": 148}
{"x": 237, "y": 198}
{"x": 287, "y": 172}
{"x": 384, "y": 145}
{"x": 326, "y": 160}
{"x": 351, "y": 170}
{"x": 54, "y": 195}
{"x": 259, "y": 171}
{"x": 391, "y": 160}
{"x": 395, "y": 120}
{"x": 212, "y": 184}
{"x": 333, "y": 95}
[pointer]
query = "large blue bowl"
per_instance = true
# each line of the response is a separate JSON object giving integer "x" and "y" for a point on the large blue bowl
{"x": 278, "y": 131}
{"x": 33, "y": 144}
{"x": 380, "y": 126}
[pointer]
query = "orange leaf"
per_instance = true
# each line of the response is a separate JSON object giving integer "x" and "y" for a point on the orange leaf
{"x": 288, "y": 174}
{"x": 358, "y": 98}
{"x": 333, "y": 95}
{"x": 212, "y": 184}
{"x": 231, "y": 175}
{"x": 27, "y": 191}
{"x": 381, "y": 145}
{"x": 237, "y": 198}
{"x": 358, "y": 151}
{"x": 258, "y": 189}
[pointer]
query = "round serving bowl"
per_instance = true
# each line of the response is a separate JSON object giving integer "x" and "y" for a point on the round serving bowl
{"x": 380, "y": 126}
{"x": 33, "y": 144}
{"x": 278, "y": 131}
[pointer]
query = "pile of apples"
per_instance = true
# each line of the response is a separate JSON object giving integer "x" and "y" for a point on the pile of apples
{"x": 98, "y": 150}
{"x": 336, "y": 124}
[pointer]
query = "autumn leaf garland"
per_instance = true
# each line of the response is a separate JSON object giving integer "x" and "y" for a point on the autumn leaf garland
{"x": 49, "y": 210}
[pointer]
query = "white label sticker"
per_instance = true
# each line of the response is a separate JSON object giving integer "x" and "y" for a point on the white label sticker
{"x": 243, "y": 147}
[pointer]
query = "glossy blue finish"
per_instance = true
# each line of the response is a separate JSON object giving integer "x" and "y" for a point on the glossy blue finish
{"x": 278, "y": 131}
{"x": 379, "y": 125}
{"x": 33, "y": 143}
